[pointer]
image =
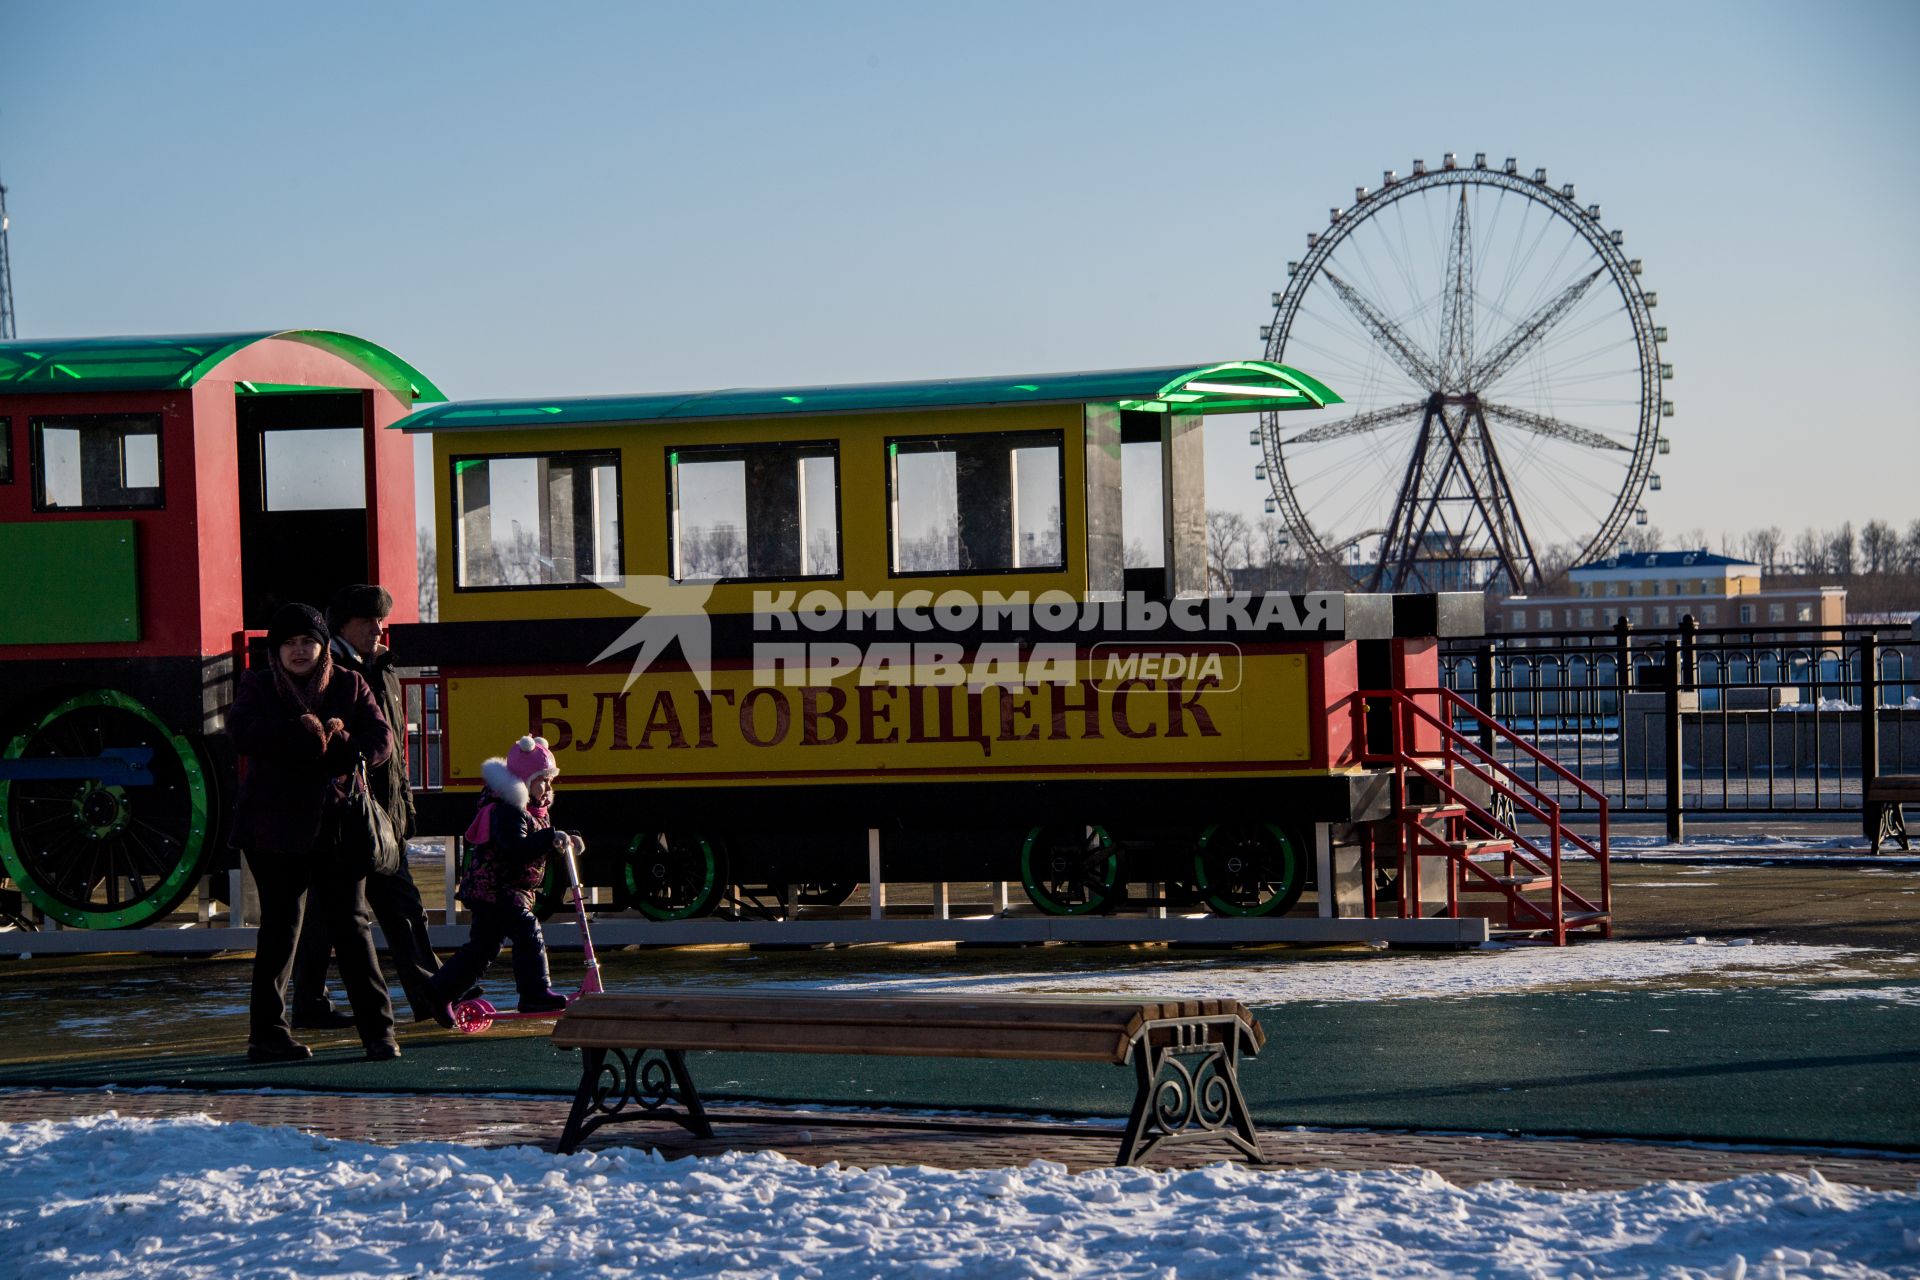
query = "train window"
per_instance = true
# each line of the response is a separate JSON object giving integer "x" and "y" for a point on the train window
{"x": 976, "y": 503}
{"x": 96, "y": 462}
{"x": 536, "y": 520}
{"x": 6, "y": 450}
{"x": 756, "y": 512}
{"x": 314, "y": 468}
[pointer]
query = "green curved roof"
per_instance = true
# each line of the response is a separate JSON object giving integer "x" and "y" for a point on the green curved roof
{"x": 1228, "y": 387}
{"x": 167, "y": 363}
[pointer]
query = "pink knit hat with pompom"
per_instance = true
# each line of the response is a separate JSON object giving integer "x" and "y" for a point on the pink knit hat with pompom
{"x": 531, "y": 758}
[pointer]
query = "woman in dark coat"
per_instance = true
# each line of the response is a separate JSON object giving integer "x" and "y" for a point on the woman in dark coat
{"x": 299, "y": 724}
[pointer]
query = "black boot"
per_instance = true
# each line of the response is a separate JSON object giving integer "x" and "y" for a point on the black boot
{"x": 288, "y": 1050}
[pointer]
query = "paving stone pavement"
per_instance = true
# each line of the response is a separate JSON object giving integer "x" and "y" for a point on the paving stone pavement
{"x": 863, "y": 1140}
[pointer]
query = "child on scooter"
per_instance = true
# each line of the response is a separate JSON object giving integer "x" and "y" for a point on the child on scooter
{"x": 510, "y": 839}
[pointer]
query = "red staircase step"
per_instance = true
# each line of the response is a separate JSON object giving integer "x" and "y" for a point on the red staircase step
{"x": 1501, "y": 884}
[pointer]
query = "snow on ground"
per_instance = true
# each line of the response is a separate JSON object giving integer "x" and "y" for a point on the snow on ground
{"x": 1888, "y": 995}
{"x": 113, "y": 1197}
{"x": 1629, "y": 846}
{"x": 1491, "y": 970}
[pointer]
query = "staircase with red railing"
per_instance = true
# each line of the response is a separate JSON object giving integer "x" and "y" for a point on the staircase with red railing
{"x": 1499, "y": 835}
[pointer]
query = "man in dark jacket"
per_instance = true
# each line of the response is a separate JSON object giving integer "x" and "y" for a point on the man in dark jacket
{"x": 357, "y": 617}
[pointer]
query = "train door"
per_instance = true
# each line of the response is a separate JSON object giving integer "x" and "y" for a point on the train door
{"x": 303, "y": 497}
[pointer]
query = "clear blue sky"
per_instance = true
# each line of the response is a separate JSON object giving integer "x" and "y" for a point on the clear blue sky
{"x": 584, "y": 198}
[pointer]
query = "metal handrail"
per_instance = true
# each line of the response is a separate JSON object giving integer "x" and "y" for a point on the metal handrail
{"x": 1456, "y": 747}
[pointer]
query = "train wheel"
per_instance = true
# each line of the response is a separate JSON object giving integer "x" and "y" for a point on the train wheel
{"x": 104, "y": 853}
{"x": 1071, "y": 871}
{"x": 674, "y": 875}
{"x": 1249, "y": 869}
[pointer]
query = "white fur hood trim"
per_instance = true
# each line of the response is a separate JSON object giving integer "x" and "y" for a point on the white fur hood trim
{"x": 502, "y": 783}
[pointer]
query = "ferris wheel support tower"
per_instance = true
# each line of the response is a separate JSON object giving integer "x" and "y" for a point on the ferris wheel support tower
{"x": 7, "y": 329}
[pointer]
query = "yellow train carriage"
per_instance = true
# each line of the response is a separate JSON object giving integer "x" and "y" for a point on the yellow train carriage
{"x": 767, "y": 631}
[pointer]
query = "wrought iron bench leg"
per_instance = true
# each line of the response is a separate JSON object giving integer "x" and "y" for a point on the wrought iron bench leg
{"x": 1175, "y": 1103}
{"x": 633, "y": 1080}
{"x": 577, "y": 1125}
{"x": 696, "y": 1120}
{"x": 1892, "y": 825}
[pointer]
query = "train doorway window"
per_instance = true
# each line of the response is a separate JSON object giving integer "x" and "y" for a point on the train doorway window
{"x": 536, "y": 520}
{"x": 754, "y": 513}
{"x": 1163, "y": 503}
{"x": 314, "y": 469}
{"x": 97, "y": 462}
{"x": 302, "y": 483}
{"x": 976, "y": 503}
{"x": 6, "y": 450}
{"x": 1141, "y": 510}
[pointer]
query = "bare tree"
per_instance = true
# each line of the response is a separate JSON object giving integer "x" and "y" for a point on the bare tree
{"x": 1044, "y": 548}
{"x": 1810, "y": 552}
{"x": 722, "y": 549}
{"x": 1554, "y": 560}
{"x": 823, "y": 551}
{"x": 1840, "y": 550}
{"x": 1881, "y": 565}
{"x": 427, "y": 565}
{"x": 1763, "y": 547}
{"x": 1641, "y": 537}
{"x": 1269, "y": 554}
{"x": 1879, "y": 547}
{"x": 1227, "y": 544}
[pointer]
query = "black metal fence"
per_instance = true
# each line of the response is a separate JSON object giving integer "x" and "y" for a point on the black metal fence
{"x": 1687, "y": 719}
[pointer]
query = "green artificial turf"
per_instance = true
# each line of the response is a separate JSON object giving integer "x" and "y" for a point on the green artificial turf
{"x": 1753, "y": 1064}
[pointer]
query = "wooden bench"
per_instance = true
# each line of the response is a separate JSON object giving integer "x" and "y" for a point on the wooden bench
{"x": 1884, "y": 797}
{"x": 1185, "y": 1053}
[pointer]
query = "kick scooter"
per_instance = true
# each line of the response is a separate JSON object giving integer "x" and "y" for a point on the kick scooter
{"x": 471, "y": 1017}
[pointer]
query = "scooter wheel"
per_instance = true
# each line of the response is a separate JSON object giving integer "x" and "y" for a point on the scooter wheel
{"x": 471, "y": 1017}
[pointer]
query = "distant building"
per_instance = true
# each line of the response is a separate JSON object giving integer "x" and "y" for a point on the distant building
{"x": 1658, "y": 588}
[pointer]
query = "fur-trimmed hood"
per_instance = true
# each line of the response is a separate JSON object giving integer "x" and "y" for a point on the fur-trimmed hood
{"x": 500, "y": 780}
{"x": 502, "y": 787}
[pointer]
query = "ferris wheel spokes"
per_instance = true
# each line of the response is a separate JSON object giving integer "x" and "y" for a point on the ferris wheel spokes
{"x": 1463, "y": 452}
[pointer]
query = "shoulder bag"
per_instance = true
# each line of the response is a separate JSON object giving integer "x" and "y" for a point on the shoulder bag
{"x": 361, "y": 837}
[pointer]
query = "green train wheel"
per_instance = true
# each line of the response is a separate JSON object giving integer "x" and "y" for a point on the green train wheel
{"x": 1071, "y": 870}
{"x": 674, "y": 875}
{"x": 101, "y": 853}
{"x": 1249, "y": 869}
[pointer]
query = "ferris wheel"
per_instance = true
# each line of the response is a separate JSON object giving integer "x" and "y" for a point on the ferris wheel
{"x": 1502, "y": 380}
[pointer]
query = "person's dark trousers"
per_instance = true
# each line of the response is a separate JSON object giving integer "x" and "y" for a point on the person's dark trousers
{"x": 342, "y": 905}
{"x": 495, "y": 924}
{"x": 396, "y": 905}
{"x": 310, "y": 961}
{"x": 281, "y": 880}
